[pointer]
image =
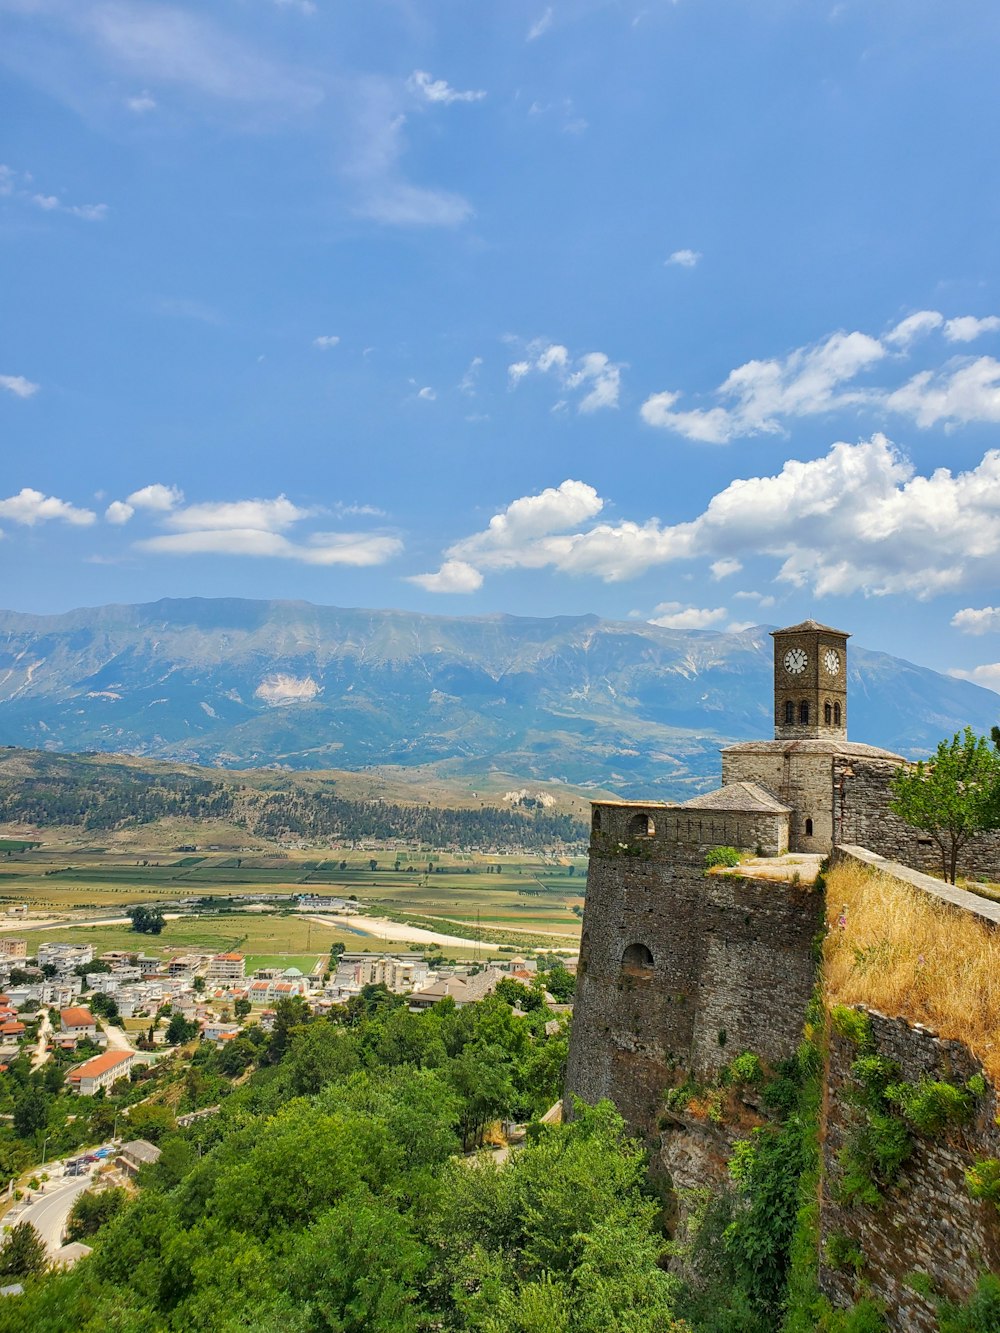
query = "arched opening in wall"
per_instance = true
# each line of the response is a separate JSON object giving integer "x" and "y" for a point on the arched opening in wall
{"x": 595, "y": 821}
{"x": 836, "y": 715}
{"x": 804, "y": 713}
{"x": 641, "y": 826}
{"x": 809, "y": 828}
{"x": 789, "y": 713}
{"x": 637, "y": 961}
{"x": 827, "y": 714}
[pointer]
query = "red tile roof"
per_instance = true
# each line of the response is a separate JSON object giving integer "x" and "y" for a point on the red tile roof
{"x": 77, "y": 1017}
{"x": 99, "y": 1064}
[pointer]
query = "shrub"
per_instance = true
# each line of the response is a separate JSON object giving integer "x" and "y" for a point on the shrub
{"x": 851, "y": 1024}
{"x": 931, "y": 1105}
{"x": 746, "y": 1068}
{"x": 983, "y": 1180}
{"x": 722, "y": 856}
{"x": 842, "y": 1253}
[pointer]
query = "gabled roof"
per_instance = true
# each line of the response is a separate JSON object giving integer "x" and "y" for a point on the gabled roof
{"x": 99, "y": 1064}
{"x": 745, "y": 797}
{"x": 810, "y": 625}
{"x": 77, "y": 1017}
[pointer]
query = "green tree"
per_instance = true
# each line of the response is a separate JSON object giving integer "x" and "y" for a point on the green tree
{"x": 179, "y": 1029}
{"x": 952, "y": 796}
{"x": 150, "y": 1121}
{"x": 147, "y": 920}
{"x": 24, "y": 1253}
{"x": 241, "y": 1008}
{"x": 91, "y": 1211}
{"x": 31, "y": 1111}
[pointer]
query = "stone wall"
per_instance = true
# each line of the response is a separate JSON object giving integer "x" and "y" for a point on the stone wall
{"x": 861, "y": 796}
{"x": 928, "y": 1222}
{"x": 682, "y": 969}
{"x": 803, "y": 781}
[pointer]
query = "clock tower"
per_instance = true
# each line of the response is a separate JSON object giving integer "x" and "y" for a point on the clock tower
{"x": 810, "y": 682}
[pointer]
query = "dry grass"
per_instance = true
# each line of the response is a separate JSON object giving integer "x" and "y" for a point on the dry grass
{"x": 908, "y": 956}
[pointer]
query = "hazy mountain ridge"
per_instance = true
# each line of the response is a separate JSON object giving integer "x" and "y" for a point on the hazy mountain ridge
{"x": 625, "y": 705}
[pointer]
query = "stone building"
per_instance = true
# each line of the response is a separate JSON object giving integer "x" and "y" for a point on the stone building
{"x": 679, "y": 969}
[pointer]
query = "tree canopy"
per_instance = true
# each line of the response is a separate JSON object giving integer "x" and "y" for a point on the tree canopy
{"x": 952, "y": 796}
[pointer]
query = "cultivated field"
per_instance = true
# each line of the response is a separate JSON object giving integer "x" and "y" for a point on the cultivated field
{"x": 525, "y": 901}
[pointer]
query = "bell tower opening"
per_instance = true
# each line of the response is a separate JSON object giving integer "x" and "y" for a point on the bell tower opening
{"x": 810, "y": 682}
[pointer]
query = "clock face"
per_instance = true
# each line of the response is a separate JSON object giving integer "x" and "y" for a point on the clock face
{"x": 831, "y": 660}
{"x": 795, "y": 661}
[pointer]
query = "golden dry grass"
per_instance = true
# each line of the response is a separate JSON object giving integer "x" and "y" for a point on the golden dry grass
{"x": 909, "y": 956}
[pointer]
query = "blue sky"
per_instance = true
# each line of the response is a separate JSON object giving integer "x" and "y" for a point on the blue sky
{"x": 680, "y": 310}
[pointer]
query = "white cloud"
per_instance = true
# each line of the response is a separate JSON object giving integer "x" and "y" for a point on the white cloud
{"x": 89, "y": 212}
{"x": 470, "y": 380}
{"x": 375, "y": 166}
{"x": 326, "y": 340}
{"x": 763, "y": 600}
{"x": 809, "y": 380}
{"x": 721, "y": 569}
{"x": 987, "y": 675}
{"x": 118, "y": 512}
{"x": 47, "y": 202}
{"x": 738, "y": 626}
{"x": 356, "y": 549}
{"x": 674, "y": 615}
{"x": 913, "y": 327}
{"x": 593, "y": 374}
{"x": 454, "y": 576}
{"x": 437, "y": 90}
{"x": 969, "y": 392}
{"x": 966, "y": 328}
{"x": 427, "y": 394}
{"x": 684, "y": 258}
{"x": 239, "y": 515}
{"x": 157, "y": 497}
{"x": 18, "y": 386}
{"x": 984, "y": 620}
{"x": 541, "y": 25}
{"x": 303, "y": 6}
{"x": 141, "y": 103}
{"x": 857, "y": 519}
{"x": 29, "y": 507}
{"x": 8, "y": 178}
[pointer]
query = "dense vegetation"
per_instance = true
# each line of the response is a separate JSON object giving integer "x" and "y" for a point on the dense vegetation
{"x": 62, "y": 790}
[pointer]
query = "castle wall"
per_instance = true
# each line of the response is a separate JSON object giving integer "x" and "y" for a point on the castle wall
{"x": 928, "y": 1223}
{"x": 861, "y": 797}
{"x": 731, "y": 969}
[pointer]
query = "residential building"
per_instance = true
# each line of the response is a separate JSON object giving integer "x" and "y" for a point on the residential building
{"x": 462, "y": 989}
{"x": 64, "y": 957}
{"x": 227, "y": 967}
{"x": 136, "y": 1154}
{"x": 101, "y": 1071}
{"x": 77, "y": 1022}
{"x": 13, "y": 948}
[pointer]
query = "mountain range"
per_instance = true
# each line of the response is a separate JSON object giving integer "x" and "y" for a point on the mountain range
{"x": 627, "y": 707}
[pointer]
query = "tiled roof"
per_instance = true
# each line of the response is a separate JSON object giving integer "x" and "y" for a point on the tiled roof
{"x": 810, "y": 625}
{"x": 99, "y": 1064}
{"x": 77, "y": 1017}
{"x": 739, "y": 796}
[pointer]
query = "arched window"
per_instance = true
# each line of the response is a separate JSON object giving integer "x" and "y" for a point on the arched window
{"x": 827, "y": 714}
{"x": 809, "y": 828}
{"x": 804, "y": 713}
{"x": 789, "y": 713}
{"x": 595, "y": 821}
{"x": 637, "y": 961}
{"x": 641, "y": 826}
{"x": 836, "y": 715}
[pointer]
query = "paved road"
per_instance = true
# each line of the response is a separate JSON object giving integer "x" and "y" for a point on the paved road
{"x": 49, "y": 1211}
{"x": 117, "y": 1041}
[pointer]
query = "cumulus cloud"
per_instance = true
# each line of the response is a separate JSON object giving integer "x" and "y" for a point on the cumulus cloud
{"x": 760, "y": 396}
{"x": 454, "y": 576}
{"x": 684, "y": 258}
{"x": 987, "y": 675}
{"x": 18, "y": 385}
{"x": 118, "y": 512}
{"x": 967, "y": 392}
{"x": 470, "y": 380}
{"x": 593, "y": 375}
{"x": 427, "y": 394}
{"x": 674, "y": 615}
{"x": 981, "y": 620}
{"x": 157, "y": 497}
{"x": 29, "y": 507}
{"x": 437, "y": 90}
{"x": 721, "y": 569}
{"x": 258, "y": 515}
{"x": 912, "y": 327}
{"x": 763, "y": 600}
{"x": 858, "y": 519}
{"x": 326, "y": 340}
{"x": 966, "y": 328}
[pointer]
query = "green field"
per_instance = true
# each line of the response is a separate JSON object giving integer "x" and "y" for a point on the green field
{"x": 525, "y": 901}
